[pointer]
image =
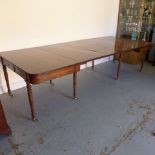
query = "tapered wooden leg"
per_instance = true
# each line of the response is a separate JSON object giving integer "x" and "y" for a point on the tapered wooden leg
{"x": 31, "y": 102}
{"x": 142, "y": 63}
{"x": 114, "y": 59}
{"x": 119, "y": 65}
{"x": 93, "y": 64}
{"x": 51, "y": 82}
{"x": 7, "y": 80}
{"x": 75, "y": 85}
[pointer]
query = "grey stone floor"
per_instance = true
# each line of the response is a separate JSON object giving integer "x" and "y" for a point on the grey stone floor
{"x": 110, "y": 117}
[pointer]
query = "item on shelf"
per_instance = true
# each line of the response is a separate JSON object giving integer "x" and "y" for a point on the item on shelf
{"x": 144, "y": 37}
{"x": 134, "y": 35}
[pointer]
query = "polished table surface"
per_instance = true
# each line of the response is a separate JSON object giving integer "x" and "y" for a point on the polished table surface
{"x": 36, "y": 61}
{"x": 44, "y": 63}
{"x": 105, "y": 45}
{"x": 49, "y": 58}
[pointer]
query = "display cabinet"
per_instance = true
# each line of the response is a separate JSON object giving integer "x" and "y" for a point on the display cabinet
{"x": 135, "y": 21}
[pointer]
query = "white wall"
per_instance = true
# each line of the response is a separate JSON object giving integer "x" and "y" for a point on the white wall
{"x": 30, "y": 23}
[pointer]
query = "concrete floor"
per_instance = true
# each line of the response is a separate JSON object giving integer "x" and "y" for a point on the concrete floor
{"x": 110, "y": 118}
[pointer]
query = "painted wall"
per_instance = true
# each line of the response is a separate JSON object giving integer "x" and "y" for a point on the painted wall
{"x": 30, "y": 23}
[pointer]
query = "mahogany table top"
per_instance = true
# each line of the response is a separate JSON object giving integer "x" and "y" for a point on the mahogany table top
{"x": 106, "y": 45}
{"x": 52, "y": 57}
{"x": 36, "y": 61}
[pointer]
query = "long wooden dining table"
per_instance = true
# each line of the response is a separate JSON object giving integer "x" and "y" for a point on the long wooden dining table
{"x": 40, "y": 64}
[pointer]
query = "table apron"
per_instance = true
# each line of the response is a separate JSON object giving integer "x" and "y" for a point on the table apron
{"x": 146, "y": 48}
{"x": 14, "y": 68}
{"x": 36, "y": 79}
{"x": 39, "y": 78}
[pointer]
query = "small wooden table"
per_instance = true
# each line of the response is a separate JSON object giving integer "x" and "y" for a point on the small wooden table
{"x": 36, "y": 65}
{"x": 4, "y": 128}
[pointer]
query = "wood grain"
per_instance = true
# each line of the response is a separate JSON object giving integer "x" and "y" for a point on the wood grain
{"x": 36, "y": 61}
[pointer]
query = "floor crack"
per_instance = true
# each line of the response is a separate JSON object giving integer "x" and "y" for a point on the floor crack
{"x": 130, "y": 132}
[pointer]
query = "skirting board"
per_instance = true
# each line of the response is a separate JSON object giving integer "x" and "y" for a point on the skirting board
{"x": 17, "y": 82}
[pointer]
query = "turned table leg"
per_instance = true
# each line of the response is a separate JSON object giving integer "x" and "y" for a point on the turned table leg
{"x": 93, "y": 64}
{"x": 7, "y": 80}
{"x": 119, "y": 66}
{"x": 75, "y": 85}
{"x": 113, "y": 59}
{"x": 51, "y": 82}
{"x": 31, "y": 102}
{"x": 142, "y": 63}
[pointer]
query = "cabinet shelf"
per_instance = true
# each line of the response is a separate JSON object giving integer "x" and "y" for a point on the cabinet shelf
{"x": 153, "y": 18}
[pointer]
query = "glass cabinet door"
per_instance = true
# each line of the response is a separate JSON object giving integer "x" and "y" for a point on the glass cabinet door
{"x": 136, "y": 17}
